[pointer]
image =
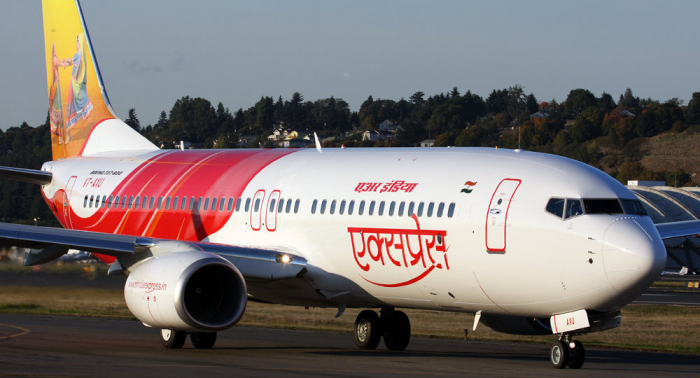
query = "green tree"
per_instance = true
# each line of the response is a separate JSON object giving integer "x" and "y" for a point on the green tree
{"x": 587, "y": 125}
{"x": 577, "y": 101}
{"x": 133, "y": 120}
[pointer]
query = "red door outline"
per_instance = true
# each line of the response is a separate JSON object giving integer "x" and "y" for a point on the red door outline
{"x": 66, "y": 200}
{"x": 255, "y": 214}
{"x": 271, "y": 216}
{"x": 500, "y": 200}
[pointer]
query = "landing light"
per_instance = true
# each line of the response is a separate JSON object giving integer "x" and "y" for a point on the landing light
{"x": 284, "y": 259}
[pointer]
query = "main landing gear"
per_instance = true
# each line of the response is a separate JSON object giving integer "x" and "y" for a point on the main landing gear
{"x": 566, "y": 352}
{"x": 172, "y": 339}
{"x": 393, "y": 325}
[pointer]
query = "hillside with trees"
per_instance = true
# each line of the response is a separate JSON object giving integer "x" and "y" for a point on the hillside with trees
{"x": 631, "y": 138}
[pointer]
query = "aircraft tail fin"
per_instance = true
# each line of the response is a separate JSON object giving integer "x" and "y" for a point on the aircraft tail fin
{"x": 82, "y": 119}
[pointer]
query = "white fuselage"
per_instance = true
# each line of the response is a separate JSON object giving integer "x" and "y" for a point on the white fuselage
{"x": 481, "y": 238}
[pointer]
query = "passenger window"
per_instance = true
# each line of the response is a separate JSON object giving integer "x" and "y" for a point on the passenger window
{"x": 143, "y": 202}
{"x": 109, "y": 201}
{"x": 323, "y": 206}
{"x": 213, "y": 203}
{"x": 167, "y": 203}
{"x": 381, "y": 208}
{"x": 351, "y": 206}
{"x": 247, "y": 204}
{"x": 362, "y": 208}
{"x": 420, "y": 209}
{"x": 238, "y": 204}
{"x": 256, "y": 208}
{"x": 116, "y": 202}
{"x": 555, "y": 206}
{"x": 441, "y": 208}
{"x": 151, "y": 202}
{"x": 131, "y": 202}
{"x": 296, "y": 206}
{"x": 342, "y": 207}
{"x": 313, "y": 207}
{"x": 431, "y": 207}
{"x": 160, "y": 202}
{"x": 280, "y": 207}
{"x": 333, "y": 207}
{"x": 401, "y": 208}
{"x": 198, "y": 204}
{"x": 392, "y": 207}
{"x": 410, "y": 209}
{"x": 573, "y": 208}
{"x": 371, "y": 208}
{"x": 289, "y": 206}
{"x": 137, "y": 202}
{"x": 85, "y": 202}
{"x": 229, "y": 206}
{"x": 272, "y": 205}
{"x": 451, "y": 210}
{"x": 206, "y": 204}
{"x": 183, "y": 203}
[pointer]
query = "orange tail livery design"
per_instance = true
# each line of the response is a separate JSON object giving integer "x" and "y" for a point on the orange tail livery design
{"x": 77, "y": 100}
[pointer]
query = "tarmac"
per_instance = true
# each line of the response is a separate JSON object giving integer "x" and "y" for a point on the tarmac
{"x": 86, "y": 347}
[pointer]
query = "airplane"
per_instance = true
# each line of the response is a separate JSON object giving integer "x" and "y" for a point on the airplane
{"x": 531, "y": 243}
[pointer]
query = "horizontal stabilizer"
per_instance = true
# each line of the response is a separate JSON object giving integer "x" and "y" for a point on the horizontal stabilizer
{"x": 32, "y": 176}
{"x": 678, "y": 229}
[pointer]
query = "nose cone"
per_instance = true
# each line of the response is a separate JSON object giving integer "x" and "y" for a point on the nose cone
{"x": 633, "y": 255}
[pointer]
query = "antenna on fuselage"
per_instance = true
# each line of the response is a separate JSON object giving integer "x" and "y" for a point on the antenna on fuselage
{"x": 318, "y": 144}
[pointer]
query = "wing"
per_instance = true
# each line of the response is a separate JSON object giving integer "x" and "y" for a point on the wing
{"x": 678, "y": 229}
{"x": 51, "y": 243}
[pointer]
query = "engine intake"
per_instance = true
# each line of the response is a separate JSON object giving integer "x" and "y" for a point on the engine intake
{"x": 188, "y": 291}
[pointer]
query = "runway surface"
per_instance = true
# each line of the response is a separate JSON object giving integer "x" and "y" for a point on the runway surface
{"x": 88, "y": 347}
{"x": 668, "y": 297}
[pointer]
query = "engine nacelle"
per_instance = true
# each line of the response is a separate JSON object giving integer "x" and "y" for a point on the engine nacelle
{"x": 517, "y": 325}
{"x": 187, "y": 291}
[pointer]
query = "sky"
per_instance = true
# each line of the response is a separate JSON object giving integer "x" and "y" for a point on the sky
{"x": 153, "y": 52}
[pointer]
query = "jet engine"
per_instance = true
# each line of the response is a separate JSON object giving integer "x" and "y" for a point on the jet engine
{"x": 517, "y": 325}
{"x": 188, "y": 291}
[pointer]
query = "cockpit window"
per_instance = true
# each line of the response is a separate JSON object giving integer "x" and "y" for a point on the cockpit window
{"x": 602, "y": 206}
{"x": 573, "y": 208}
{"x": 566, "y": 208}
{"x": 556, "y": 206}
{"x": 633, "y": 207}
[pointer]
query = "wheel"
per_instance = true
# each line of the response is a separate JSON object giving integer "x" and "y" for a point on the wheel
{"x": 577, "y": 355}
{"x": 559, "y": 355}
{"x": 203, "y": 340}
{"x": 368, "y": 330}
{"x": 172, "y": 339}
{"x": 397, "y": 331}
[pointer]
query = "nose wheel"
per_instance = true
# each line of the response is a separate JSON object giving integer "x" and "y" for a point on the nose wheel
{"x": 566, "y": 352}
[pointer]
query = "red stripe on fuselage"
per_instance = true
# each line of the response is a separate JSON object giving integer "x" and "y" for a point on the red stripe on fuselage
{"x": 191, "y": 174}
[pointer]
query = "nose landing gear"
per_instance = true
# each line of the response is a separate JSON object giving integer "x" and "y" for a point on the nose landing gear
{"x": 566, "y": 352}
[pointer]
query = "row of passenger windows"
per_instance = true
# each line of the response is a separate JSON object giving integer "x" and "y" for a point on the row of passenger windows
{"x": 282, "y": 205}
{"x": 182, "y": 203}
{"x": 409, "y": 208}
